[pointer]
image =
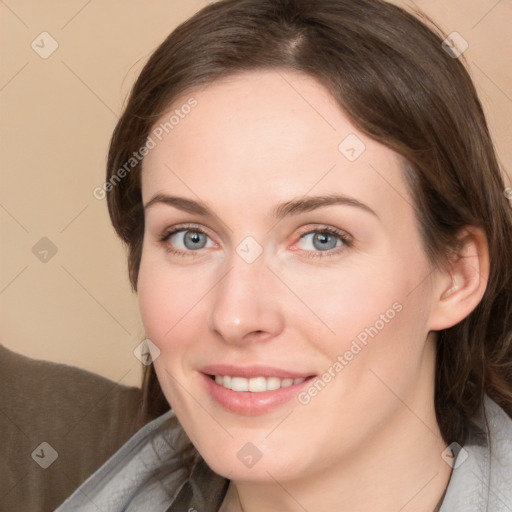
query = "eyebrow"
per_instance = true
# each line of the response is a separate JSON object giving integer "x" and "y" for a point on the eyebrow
{"x": 293, "y": 207}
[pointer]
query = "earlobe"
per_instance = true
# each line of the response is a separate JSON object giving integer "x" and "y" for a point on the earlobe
{"x": 461, "y": 284}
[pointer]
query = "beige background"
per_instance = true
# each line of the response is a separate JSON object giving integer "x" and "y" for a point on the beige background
{"x": 57, "y": 115}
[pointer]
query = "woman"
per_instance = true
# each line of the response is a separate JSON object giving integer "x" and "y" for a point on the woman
{"x": 319, "y": 238}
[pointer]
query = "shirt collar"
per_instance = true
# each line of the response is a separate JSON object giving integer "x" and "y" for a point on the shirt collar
{"x": 204, "y": 491}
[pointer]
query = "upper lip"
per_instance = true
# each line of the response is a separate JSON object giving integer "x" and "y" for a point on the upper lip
{"x": 251, "y": 371}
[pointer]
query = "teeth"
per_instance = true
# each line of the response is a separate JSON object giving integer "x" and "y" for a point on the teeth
{"x": 256, "y": 384}
{"x": 239, "y": 384}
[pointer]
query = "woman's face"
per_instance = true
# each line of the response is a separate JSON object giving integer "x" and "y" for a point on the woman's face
{"x": 295, "y": 255}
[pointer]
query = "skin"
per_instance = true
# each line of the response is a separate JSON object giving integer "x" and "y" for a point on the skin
{"x": 369, "y": 440}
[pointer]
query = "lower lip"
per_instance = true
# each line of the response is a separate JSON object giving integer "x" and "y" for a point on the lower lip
{"x": 251, "y": 403}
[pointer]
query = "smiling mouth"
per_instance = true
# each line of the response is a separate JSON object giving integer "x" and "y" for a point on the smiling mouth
{"x": 256, "y": 384}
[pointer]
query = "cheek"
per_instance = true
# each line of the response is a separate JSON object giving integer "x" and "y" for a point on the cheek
{"x": 167, "y": 296}
{"x": 373, "y": 314}
{"x": 166, "y": 304}
{"x": 154, "y": 302}
{"x": 345, "y": 299}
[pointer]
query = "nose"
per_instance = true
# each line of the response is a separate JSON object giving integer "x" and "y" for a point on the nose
{"x": 246, "y": 303}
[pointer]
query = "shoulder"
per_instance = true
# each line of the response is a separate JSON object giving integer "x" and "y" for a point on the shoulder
{"x": 147, "y": 469}
{"x": 499, "y": 453}
{"x": 482, "y": 469}
{"x": 53, "y": 397}
{"x": 41, "y": 375}
{"x": 81, "y": 417}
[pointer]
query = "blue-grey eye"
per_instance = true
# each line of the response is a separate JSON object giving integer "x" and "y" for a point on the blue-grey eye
{"x": 189, "y": 239}
{"x": 321, "y": 241}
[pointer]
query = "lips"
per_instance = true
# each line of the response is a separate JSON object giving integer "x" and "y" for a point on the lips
{"x": 249, "y": 372}
{"x": 260, "y": 400}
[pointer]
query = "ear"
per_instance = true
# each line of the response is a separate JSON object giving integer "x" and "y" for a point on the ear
{"x": 460, "y": 285}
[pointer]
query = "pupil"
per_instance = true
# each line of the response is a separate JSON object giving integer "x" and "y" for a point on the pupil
{"x": 323, "y": 239}
{"x": 194, "y": 238}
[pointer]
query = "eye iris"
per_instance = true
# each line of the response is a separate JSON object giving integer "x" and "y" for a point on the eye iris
{"x": 198, "y": 240}
{"x": 326, "y": 241}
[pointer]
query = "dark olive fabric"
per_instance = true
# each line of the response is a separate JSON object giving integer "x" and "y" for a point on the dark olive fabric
{"x": 83, "y": 417}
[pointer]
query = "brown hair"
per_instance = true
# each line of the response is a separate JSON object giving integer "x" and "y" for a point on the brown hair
{"x": 390, "y": 74}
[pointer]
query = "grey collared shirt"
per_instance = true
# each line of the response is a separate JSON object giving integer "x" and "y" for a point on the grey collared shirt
{"x": 481, "y": 480}
{"x": 146, "y": 474}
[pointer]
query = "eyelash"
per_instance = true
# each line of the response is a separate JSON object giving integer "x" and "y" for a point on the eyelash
{"x": 347, "y": 241}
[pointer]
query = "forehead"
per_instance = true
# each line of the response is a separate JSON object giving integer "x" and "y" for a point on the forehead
{"x": 276, "y": 134}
